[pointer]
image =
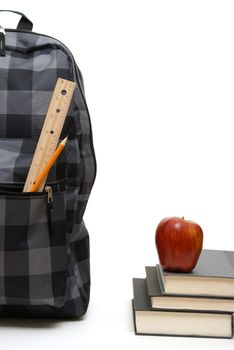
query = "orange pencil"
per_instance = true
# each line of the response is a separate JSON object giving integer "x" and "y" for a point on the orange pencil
{"x": 48, "y": 166}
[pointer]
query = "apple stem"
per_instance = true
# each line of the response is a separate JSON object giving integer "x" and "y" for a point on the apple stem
{"x": 182, "y": 217}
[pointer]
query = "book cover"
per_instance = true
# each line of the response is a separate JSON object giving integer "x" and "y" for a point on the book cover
{"x": 159, "y": 301}
{"x": 212, "y": 276}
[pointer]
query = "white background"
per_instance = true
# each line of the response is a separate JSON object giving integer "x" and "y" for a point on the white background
{"x": 159, "y": 81}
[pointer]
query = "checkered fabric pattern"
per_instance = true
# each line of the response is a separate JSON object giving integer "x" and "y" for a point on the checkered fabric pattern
{"x": 42, "y": 273}
{"x": 33, "y": 261}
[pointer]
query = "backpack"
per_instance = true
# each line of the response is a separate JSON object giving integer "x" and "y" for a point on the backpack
{"x": 44, "y": 272}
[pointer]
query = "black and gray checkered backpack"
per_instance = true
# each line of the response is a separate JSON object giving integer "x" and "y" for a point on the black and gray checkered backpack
{"x": 43, "y": 272}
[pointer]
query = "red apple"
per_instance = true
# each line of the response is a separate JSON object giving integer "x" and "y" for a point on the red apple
{"x": 179, "y": 244}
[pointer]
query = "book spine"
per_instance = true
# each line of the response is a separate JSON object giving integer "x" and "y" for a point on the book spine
{"x": 160, "y": 279}
{"x": 149, "y": 295}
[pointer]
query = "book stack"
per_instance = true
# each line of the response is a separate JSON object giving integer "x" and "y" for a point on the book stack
{"x": 198, "y": 304}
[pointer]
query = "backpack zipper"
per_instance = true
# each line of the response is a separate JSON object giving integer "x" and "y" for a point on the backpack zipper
{"x": 50, "y": 201}
{"x": 18, "y": 186}
{"x": 2, "y": 41}
{"x": 50, "y": 208}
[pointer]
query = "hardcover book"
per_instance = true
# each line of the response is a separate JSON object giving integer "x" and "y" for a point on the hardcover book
{"x": 212, "y": 276}
{"x": 159, "y": 301}
{"x": 176, "y": 323}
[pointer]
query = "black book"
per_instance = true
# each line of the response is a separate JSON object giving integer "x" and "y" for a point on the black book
{"x": 160, "y": 301}
{"x": 212, "y": 276}
{"x": 176, "y": 323}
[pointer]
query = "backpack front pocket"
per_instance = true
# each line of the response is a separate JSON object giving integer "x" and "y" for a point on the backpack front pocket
{"x": 33, "y": 257}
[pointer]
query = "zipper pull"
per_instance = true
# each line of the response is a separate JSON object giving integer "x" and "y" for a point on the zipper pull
{"x": 50, "y": 208}
{"x": 2, "y": 41}
{"x": 49, "y": 191}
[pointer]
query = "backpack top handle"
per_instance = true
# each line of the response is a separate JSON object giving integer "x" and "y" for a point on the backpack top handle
{"x": 24, "y": 22}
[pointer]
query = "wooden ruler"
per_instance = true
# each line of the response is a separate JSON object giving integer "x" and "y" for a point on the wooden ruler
{"x": 51, "y": 130}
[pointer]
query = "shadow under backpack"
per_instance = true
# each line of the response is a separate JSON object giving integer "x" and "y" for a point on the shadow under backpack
{"x": 44, "y": 264}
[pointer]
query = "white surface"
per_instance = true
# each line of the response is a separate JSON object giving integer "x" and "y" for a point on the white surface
{"x": 159, "y": 79}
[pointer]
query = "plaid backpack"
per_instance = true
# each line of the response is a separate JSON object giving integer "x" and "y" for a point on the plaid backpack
{"x": 44, "y": 272}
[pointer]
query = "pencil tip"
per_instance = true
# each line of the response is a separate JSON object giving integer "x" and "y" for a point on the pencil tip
{"x": 64, "y": 141}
